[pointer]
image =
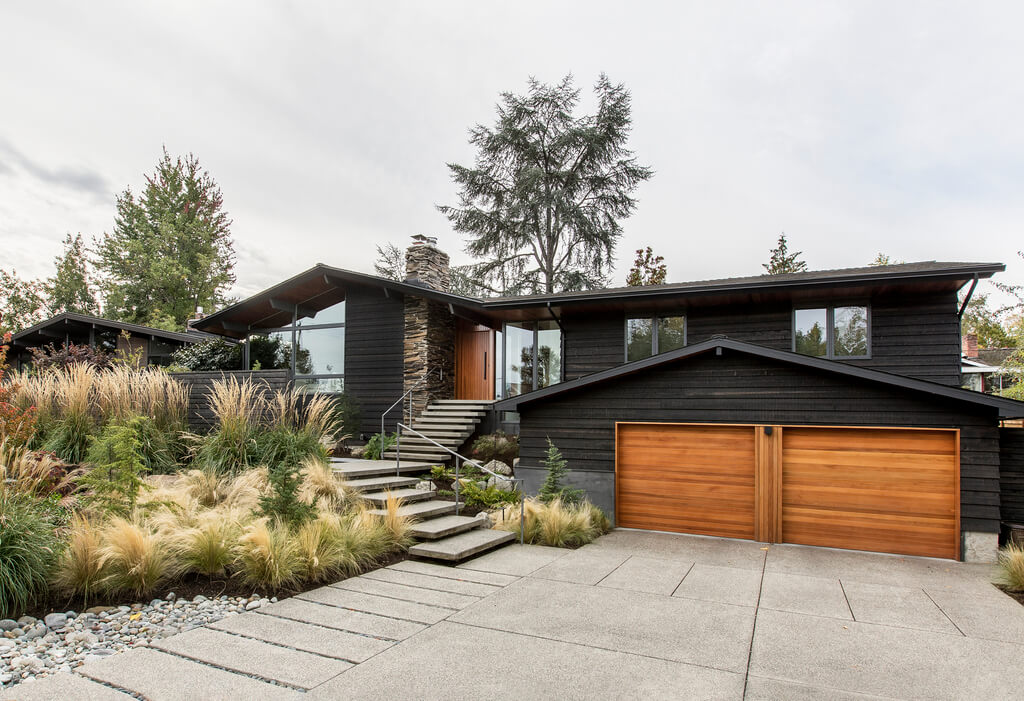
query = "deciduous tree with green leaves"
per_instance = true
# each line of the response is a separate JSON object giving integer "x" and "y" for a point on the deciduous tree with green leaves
{"x": 22, "y": 302}
{"x": 542, "y": 204}
{"x": 782, "y": 261}
{"x": 987, "y": 324}
{"x": 648, "y": 269}
{"x": 170, "y": 250}
{"x": 69, "y": 290}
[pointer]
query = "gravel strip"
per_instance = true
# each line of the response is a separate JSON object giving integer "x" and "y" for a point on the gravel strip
{"x": 32, "y": 648}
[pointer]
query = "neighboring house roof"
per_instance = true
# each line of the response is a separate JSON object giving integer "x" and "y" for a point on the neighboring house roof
{"x": 318, "y": 288}
{"x": 995, "y": 356}
{"x": 36, "y": 334}
{"x": 1008, "y": 408}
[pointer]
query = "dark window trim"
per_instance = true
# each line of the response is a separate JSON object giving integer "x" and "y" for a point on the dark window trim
{"x": 294, "y": 329}
{"x": 655, "y": 318}
{"x": 830, "y": 328}
{"x": 535, "y": 342}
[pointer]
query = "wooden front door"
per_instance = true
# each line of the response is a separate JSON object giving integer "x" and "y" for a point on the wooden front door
{"x": 893, "y": 490}
{"x": 474, "y": 361}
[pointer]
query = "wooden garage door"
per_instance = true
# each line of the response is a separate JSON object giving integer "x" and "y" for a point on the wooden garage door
{"x": 686, "y": 478}
{"x": 885, "y": 490}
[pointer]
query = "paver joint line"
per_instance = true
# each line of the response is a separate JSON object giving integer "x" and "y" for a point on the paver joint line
{"x": 197, "y": 660}
{"x": 373, "y": 613}
{"x": 944, "y": 612}
{"x": 847, "y": 597}
{"x": 753, "y": 626}
{"x": 688, "y": 571}
{"x": 282, "y": 645}
{"x": 398, "y": 598}
{"x": 383, "y": 638}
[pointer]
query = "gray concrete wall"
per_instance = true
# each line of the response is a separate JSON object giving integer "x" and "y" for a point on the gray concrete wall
{"x": 599, "y": 486}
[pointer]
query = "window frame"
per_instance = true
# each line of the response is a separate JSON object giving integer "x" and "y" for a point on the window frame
{"x": 501, "y": 392}
{"x": 294, "y": 330}
{"x": 655, "y": 323}
{"x": 830, "y": 321}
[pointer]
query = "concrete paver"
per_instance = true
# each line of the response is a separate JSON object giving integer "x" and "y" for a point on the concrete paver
{"x": 684, "y": 630}
{"x": 761, "y": 689}
{"x": 985, "y": 612}
{"x": 466, "y": 575}
{"x": 883, "y": 660}
{"x": 458, "y": 661}
{"x": 336, "y": 644}
{"x": 430, "y": 597}
{"x": 427, "y": 581}
{"x": 583, "y": 566}
{"x": 63, "y": 686}
{"x": 726, "y": 585}
{"x": 799, "y": 593}
{"x": 255, "y": 657}
{"x": 723, "y": 552}
{"x": 158, "y": 676}
{"x": 519, "y": 560}
{"x": 382, "y": 605}
{"x": 906, "y": 607}
{"x": 648, "y": 574}
{"x": 342, "y": 619}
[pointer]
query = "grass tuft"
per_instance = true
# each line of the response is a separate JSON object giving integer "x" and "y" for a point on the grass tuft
{"x": 80, "y": 570}
{"x": 135, "y": 559}
{"x": 267, "y": 556}
{"x": 29, "y": 550}
{"x": 559, "y": 524}
{"x": 1011, "y": 567}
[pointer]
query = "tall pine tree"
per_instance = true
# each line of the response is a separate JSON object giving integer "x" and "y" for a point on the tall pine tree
{"x": 171, "y": 249}
{"x": 541, "y": 206}
{"x": 69, "y": 289}
{"x": 782, "y": 261}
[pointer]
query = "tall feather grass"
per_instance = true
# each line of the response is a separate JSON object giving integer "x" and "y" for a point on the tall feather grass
{"x": 135, "y": 559}
{"x": 267, "y": 555}
{"x": 557, "y": 523}
{"x": 208, "y": 548}
{"x": 322, "y": 486}
{"x": 323, "y": 550}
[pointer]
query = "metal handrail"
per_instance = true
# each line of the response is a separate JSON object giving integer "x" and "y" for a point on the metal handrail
{"x": 408, "y": 393}
{"x": 459, "y": 460}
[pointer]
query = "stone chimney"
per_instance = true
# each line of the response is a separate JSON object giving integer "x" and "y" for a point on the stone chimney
{"x": 969, "y": 345}
{"x": 429, "y": 326}
{"x": 426, "y": 264}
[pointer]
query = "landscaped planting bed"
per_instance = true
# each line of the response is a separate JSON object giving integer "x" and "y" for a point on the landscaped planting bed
{"x": 117, "y": 526}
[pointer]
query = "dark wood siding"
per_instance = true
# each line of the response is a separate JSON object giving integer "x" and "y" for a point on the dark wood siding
{"x": 374, "y": 350}
{"x": 1011, "y": 473}
{"x": 200, "y": 417}
{"x": 916, "y": 336}
{"x": 738, "y": 388}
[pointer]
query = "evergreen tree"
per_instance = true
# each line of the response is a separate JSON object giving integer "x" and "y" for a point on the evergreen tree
{"x": 552, "y": 488}
{"x": 69, "y": 290}
{"x": 542, "y": 203}
{"x": 171, "y": 249}
{"x": 885, "y": 259}
{"x": 782, "y": 261}
{"x": 648, "y": 269}
{"x": 22, "y": 302}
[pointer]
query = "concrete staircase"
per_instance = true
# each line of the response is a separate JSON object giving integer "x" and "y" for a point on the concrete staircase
{"x": 441, "y": 534}
{"x": 450, "y": 422}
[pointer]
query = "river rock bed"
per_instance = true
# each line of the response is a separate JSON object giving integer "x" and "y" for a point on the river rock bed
{"x": 31, "y": 648}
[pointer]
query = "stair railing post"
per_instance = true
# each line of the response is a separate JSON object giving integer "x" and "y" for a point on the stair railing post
{"x": 398, "y": 449}
{"x": 522, "y": 514}
{"x": 458, "y": 463}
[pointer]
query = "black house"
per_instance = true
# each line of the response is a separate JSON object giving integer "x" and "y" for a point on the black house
{"x": 820, "y": 407}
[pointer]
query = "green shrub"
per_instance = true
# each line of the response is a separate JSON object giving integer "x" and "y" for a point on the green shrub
{"x": 115, "y": 479}
{"x": 496, "y": 446}
{"x": 553, "y": 488}
{"x": 488, "y": 497}
{"x": 284, "y": 500}
{"x": 1011, "y": 567}
{"x": 379, "y": 444}
{"x": 282, "y": 445}
{"x": 29, "y": 550}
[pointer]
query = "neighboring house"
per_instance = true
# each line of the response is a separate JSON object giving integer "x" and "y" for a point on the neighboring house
{"x": 821, "y": 408}
{"x": 154, "y": 345}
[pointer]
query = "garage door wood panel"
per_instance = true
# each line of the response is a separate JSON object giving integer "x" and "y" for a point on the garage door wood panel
{"x": 693, "y": 479}
{"x": 877, "y": 489}
{"x": 886, "y": 490}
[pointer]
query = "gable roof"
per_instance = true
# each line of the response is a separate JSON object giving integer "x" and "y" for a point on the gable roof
{"x": 1008, "y": 408}
{"x": 323, "y": 285}
{"x": 66, "y": 319}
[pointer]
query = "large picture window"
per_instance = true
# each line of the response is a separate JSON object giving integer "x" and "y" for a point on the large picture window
{"x": 652, "y": 335}
{"x": 312, "y": 349}
{"x": 832, "y": 332}
{"x": 532, "y": 357}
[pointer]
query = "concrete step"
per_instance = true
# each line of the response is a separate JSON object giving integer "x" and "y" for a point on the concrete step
{"x": 466, "y": 415}
{"x": 445, "y": 526}
{"x": 428, "y": 455}
{"x": 407, "y": 496}
{"x": 463, "y": 402}
{"x": 459, "y": 547}
{"x": 380, "y": 468}
{"x": 439, "y": 421}
{"x": 449, "y": 441}
{"x": 373, "y": 484}
{"x": 421, "y": 509}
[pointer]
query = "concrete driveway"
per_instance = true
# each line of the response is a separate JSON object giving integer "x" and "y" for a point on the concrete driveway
{"x": 634, "y": 615}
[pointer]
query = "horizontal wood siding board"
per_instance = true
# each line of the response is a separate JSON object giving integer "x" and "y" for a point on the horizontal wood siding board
{"x": 738, "y": 388}
{"x": 374, "y": 353}
{"x": 1011, "y": 474}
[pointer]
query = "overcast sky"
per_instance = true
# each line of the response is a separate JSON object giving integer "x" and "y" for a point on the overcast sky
{"x": 855, "y": 127}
